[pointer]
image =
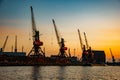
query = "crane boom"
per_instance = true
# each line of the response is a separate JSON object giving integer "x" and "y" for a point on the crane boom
{"x": 2, "y": 49}
{"x": 33, "y": 24}
{"x": 111, "y": 52}
{"x": 56, "y": 31}
{"x": 81, "y": 43}
{"x": 87, "y": 46}
{"x": 113, "y": 59}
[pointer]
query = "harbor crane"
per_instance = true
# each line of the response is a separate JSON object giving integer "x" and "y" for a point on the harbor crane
{"x": 113, "y": 58}
{"x": 87, "y": 54}
{"x": 4, "y": 45}
{"x": 84, "y": 56}
{"x": 36, "y": 49}
{"x": 90, "y": 54}
{"x": 62, "y": 50}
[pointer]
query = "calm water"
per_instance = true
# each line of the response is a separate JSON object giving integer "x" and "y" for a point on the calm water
{"x": 60, "y": 73}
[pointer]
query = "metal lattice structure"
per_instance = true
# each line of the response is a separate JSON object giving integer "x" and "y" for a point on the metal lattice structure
{"x": 36, "y": 49}
{"x": 62, "y": 52}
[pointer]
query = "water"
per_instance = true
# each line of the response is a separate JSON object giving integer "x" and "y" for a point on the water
{"x": 60, "y": 73}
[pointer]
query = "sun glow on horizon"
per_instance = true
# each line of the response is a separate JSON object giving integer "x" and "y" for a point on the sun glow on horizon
{"x": 101, "y": 24}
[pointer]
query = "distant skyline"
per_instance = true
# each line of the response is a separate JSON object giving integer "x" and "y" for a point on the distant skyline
{"x": 100, "y": 19}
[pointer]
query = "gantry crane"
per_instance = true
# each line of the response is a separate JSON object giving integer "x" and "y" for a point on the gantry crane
{"x": 62, "y": 50}
{"x": 36, "y": 49}
{"x": 113, "y": 59}
{"x": 4, "y": 45}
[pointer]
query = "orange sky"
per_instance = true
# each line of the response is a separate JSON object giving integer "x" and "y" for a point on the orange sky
{"x": 101, "y": 24}
{"x": 99, "y": 40}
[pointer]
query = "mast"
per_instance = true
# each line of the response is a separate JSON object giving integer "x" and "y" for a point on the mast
{"x": 74, "y": 51}
{"x": 15, "y": 43}
{"x": 22, "y": 48}
{"x": 69, "y": 52}
{"x": 12, "y": 48}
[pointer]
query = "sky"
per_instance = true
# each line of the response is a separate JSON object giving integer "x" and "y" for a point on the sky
{"x": 100, "y": 19}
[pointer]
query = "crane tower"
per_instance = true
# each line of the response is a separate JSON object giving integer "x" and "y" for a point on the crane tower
{"x": 36, "y": 49}
{"x": 87, "y": 54}
{"x": 62, "y": 52}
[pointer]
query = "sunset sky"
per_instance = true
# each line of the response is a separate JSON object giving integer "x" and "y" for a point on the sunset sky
{"x": 100, "y": 19}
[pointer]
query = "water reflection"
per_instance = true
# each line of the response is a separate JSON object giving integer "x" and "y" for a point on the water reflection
{"x": 86, "y": 73}
{"x": 61, "y": 73}
{"x": 36, "y": 74}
